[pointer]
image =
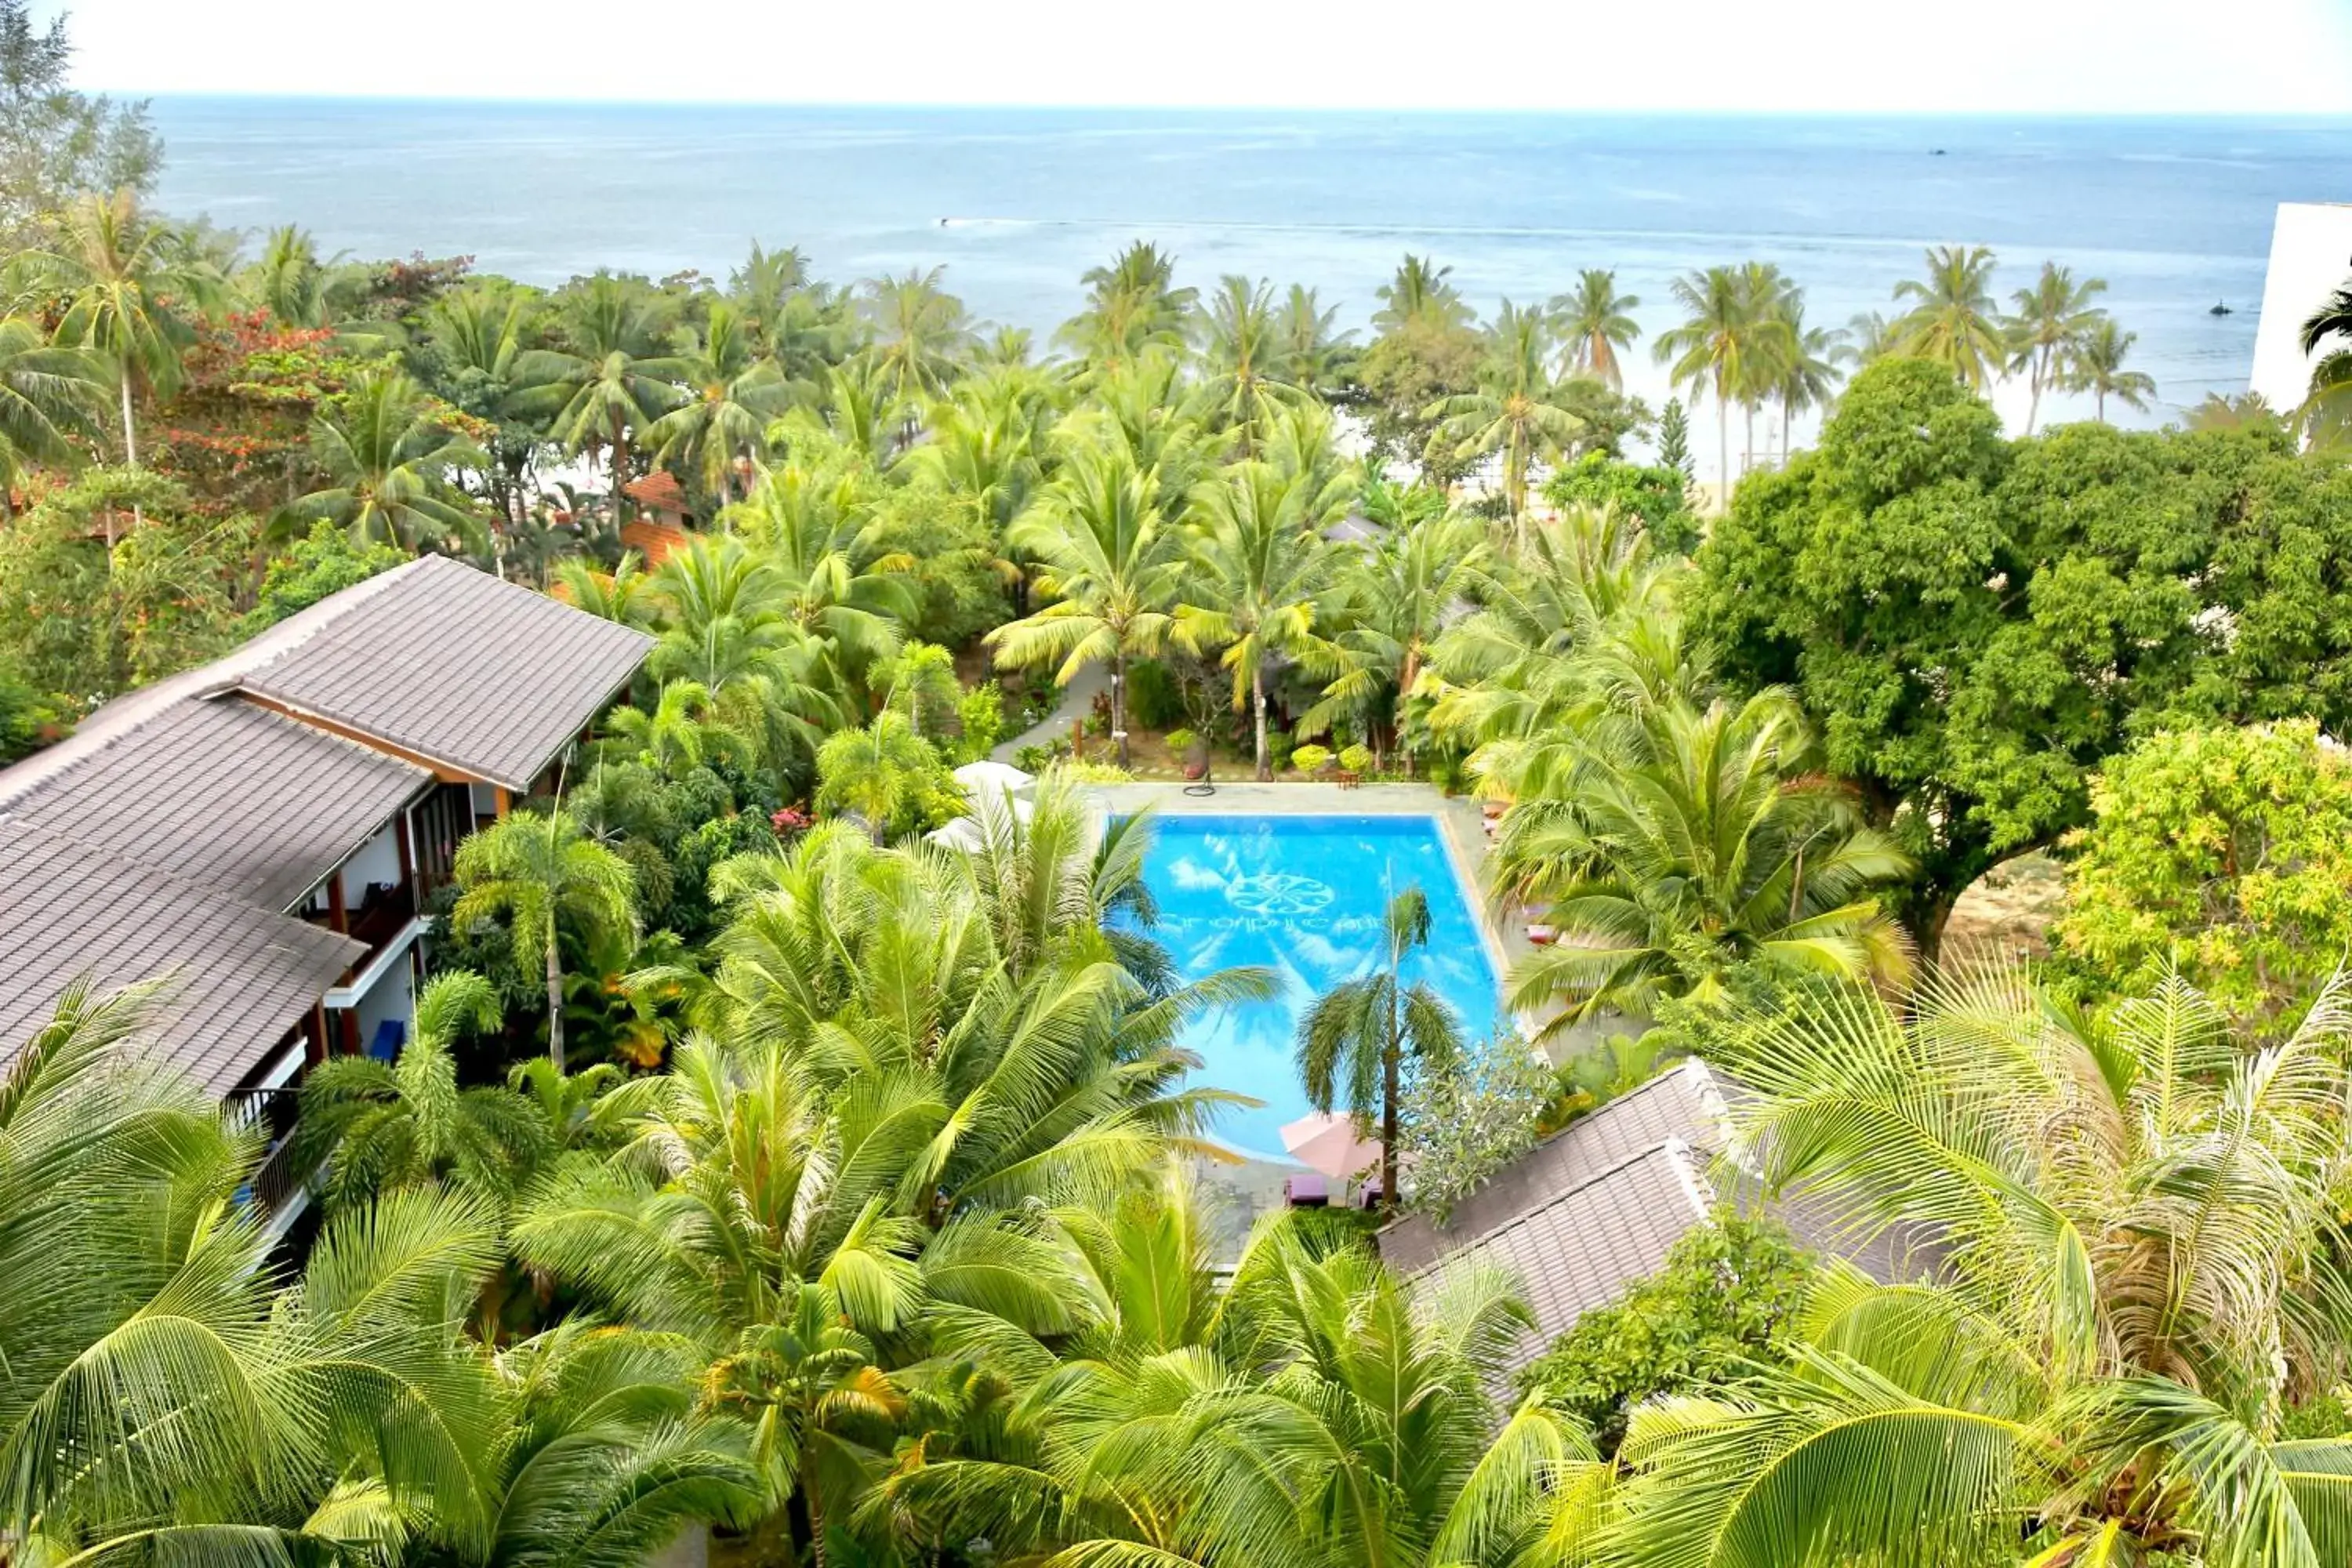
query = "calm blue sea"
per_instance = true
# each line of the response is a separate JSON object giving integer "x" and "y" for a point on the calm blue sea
{"x": 1306, "y": 897}
{"x": 2175, "y": 214}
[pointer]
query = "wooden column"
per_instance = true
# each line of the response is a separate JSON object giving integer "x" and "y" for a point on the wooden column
{"x": 339, "y": 918}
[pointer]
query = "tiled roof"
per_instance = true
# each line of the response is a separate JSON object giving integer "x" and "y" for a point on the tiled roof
{"x": 225, "y": 795}
{"x": 242, "y": 975}
{"x": 1586, "y": 1245}
{"x": 1681, "y": 1104}
{"x": 659, "y": 490}
{"x": 449, "y": 662}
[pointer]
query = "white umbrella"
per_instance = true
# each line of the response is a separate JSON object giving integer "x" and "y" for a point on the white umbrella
{"x": 991, "y": 778}
{"x": 1327, "y": 1143}
{"x": 962, "y": 834}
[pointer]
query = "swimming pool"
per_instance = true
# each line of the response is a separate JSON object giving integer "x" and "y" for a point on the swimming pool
{"x": 1304, "y": 896}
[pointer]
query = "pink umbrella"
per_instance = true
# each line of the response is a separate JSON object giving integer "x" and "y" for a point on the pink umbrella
{"x": 1326, "y": 1142}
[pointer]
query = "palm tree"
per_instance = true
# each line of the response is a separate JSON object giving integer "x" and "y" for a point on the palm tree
{"x": 1315, "y": 1410}
{"x": 161, "y": 1399}
{"x": 1710, "y": 353}
{"x": 369, "y": 1126}
{"x": 2133, "y": 1276}
{"x": 478, "y": 332}
{"x": 2333, "y": 319}
{"x": 1802, "y": 369}
{"x": 2099, "y": 369}
{"x": 922, "y": 334}
{"x": 1517, "y": 410}
{"x": 1112, "y": 569}
{"x": 876, "y": 771}
{"x": 1309, "y": 346}
{"x": 128, "y": 282}
{"x": 1953, "y": 319}
{"x": 542, "y": 869}
{"x": 1398, "y": 593}
{"x": 681, "y": 732}
{"x": 621, "y": 595}
{"x": 48, "y": 396}
{"x": 388, "y": 457}
{"x": 288, "y": 282}
{"x": 1418, "y": 295}
{"x": 717, "y": 430}
{"x": 1260, "y": 567}
{"x": 1668, "y": 842}
{"x": 1865, "y": 338}
{"x": 1132, "y": 308}
{"x": 1354, "y": 1042}
{"x": 1242, "y": 349}
{"x": 613, "y": 377}
{"x": 1597, "y": 322}
{"x": 2052, "y": 318}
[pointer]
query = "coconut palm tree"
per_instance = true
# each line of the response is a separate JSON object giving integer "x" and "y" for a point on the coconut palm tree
{"x": 1710, "y": 353}
{"x": 1598, "y": 325}
{"x": 623, "y": 595}
{"x": 1953, "y": 319}
{"x": 1313, "y": 1411}
{"x": 1418, "y": 295}
{"x": 683, "y": 730}
{"x": 388, "y": 458}
{"x": 542, "y": 870}
{"x": 2052, "y": 320}
{"x": 1133, "y": 307}
{"x": 1517, "y": 410}
{"x": 735, "y": 393}
{"x": 1112, "y": 569}
{"x": 612, "y": 377}
{"x": 1803, "y": 370}
{"x": 129, "y": 288}
{"x": 876, "y": 771}
{"x": 812, "y": 532}
{"x": 162, "y": 1398}
{"x": 1668, "y": 842}
{"x": 1261, "y": 569}
{"x": 1310, "y": 345}
{"x": 48, "y": 396}
{"x": 1398, "y": 590}
{"x": 370, "y": 1126}
{"x": 2332, "y": 319}
{"x": 289, "y": 281}
{"x": 922, "y": 334}
{"x": 1865, "y": 338}
{"x": 1242, "y": 350}
{"x": 479, "y": 331}
{"x": 2133, "y": 1239}
{"x": 2099, "y": 369}
{"x": 1355, "y": 1041}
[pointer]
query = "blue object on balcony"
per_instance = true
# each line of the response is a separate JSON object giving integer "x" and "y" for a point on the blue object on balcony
{"x": 389, "y": 1035}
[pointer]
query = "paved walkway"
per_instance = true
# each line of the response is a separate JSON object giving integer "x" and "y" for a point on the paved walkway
{"x": 1076, "y": 701}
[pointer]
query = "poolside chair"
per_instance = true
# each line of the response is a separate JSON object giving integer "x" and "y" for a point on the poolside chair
{"x": 1305, "y": 1192}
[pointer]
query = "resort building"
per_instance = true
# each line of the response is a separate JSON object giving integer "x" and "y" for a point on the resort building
{"x": 2311, "y": 257}
{"x": 264, "y": 829}
{"x": 1593, "y": 1210}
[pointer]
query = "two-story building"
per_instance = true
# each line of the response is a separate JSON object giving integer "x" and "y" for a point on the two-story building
{"x": 264, "y": 829}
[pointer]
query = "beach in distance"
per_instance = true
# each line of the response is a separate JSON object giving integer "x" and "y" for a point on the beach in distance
{"x": 2175, "y": 214}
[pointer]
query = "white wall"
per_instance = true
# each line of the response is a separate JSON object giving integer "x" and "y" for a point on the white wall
{"x": 394, "y": 995}
{"x": 2311, "y": 257}
{"x": 377, "y": 860}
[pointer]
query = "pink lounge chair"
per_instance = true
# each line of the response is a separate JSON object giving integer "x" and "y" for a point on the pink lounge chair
{"x": 1305, "y": 1192}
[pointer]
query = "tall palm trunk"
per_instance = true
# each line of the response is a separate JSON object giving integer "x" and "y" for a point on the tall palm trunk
{"x": 1747, "y": 457}
{"x": 1391, "y": 1091}
{"x": 2034, "y": 407}
{"x": 130, "y": 459}
{"x": 554, "y": 1000}
{"x": 1723, "y": 445}
{"x": 1119, "y": 701}
{"x": 1257, "y": 703}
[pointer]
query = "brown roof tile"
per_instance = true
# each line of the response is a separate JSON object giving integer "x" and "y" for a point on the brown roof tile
{"x": 242, "y": 976}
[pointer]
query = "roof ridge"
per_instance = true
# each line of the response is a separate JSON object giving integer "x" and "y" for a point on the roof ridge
{"x": 133, "y": 710}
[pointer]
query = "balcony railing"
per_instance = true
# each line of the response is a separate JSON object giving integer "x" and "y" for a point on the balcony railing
{"x": 278, "y": 1178}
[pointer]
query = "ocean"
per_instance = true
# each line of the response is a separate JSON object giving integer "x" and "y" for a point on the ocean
{"x": 2174, "y": 213}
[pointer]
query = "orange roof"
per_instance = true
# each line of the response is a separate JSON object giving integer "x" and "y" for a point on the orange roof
{"x": 655, "y": 542}
{"x": 659, "y": 490}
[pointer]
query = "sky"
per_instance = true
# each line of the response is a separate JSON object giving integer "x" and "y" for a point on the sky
{"x": 2264, "y": 57}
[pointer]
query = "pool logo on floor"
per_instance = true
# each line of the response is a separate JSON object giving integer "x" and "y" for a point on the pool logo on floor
{"x": 1279, "y": 894}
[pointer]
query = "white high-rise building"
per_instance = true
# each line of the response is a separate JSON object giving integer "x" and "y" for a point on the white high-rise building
{"x": 2311, "y": 257}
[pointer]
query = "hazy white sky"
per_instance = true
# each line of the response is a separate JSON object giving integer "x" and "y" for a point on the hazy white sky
{"x": 2035, "y": 56}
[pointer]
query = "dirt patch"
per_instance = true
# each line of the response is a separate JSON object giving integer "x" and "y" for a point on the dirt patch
{"x": 2009, "y": 908}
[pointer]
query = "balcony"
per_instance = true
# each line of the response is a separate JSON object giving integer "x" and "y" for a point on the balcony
{"x": 383, "y": 913}
{"x": 277, "y": 1180}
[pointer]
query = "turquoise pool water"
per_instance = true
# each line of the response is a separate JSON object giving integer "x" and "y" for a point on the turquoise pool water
{"x": 1303, "y": 896}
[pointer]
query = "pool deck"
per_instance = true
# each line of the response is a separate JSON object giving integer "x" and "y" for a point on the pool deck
{"x": 1253, "y": 1186}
